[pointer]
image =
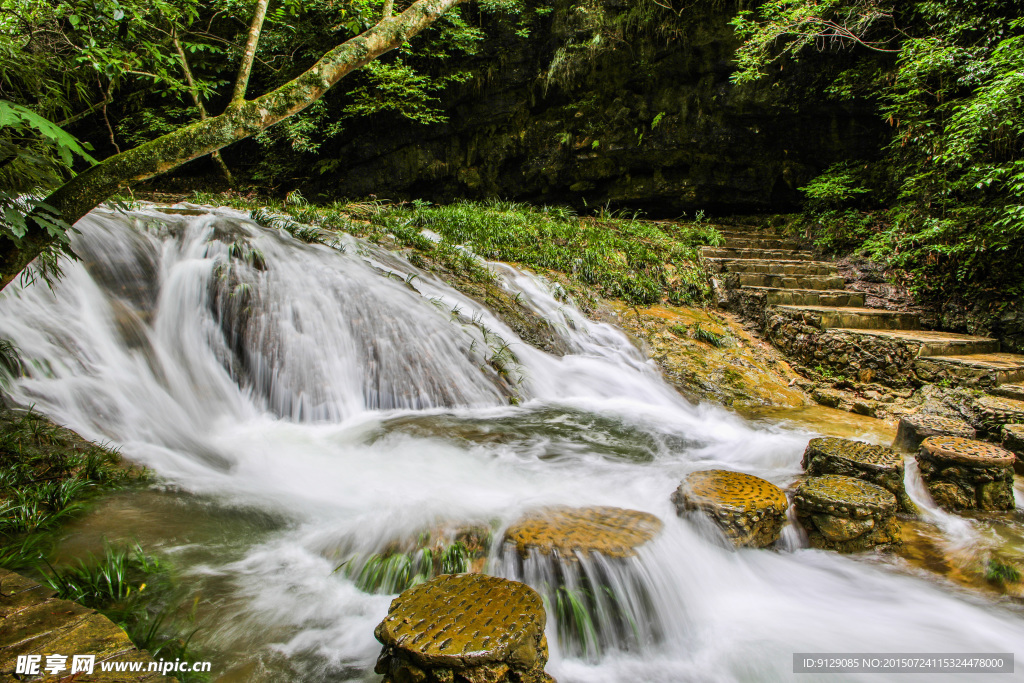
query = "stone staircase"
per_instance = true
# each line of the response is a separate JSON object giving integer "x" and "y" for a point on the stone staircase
{"x": 777, "y": 280}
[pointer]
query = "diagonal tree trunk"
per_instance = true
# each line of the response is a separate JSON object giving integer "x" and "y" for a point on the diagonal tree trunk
{"x": 241, "y": 120}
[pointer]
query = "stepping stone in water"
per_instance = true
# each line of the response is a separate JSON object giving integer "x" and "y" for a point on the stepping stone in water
{"x": 1000, "y": 411}
{"x": 846, "y": 514}
{"x": 914, "y": 429}
{"x": 613, "y": 532}
{"x": 466, "y": 628}
{"x": 1013, "y": 441}
{"x": 875, "y": 464}
{"x": 748, "y": 509}
{"x": 963, "y": 474}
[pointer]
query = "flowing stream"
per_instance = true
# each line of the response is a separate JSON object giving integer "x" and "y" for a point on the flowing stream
{"x": 302, "y": 403}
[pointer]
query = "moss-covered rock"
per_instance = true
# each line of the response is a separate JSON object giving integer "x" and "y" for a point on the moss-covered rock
{"x": 466, "y": 628}
{"x": 846, "y": 514}
{"x": 997, "y": 411}
{"x": 748, "y": 509}
{"x": 613, "y": 532}
{"x": 963, "y": 474}
{"x": 876, "y": 464}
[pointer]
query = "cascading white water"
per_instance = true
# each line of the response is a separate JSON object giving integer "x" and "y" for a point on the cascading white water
{"x": 306, "y": 401}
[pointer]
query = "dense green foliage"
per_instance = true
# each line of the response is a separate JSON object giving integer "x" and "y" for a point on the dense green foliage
{"x": 615, "y": 255}
{"x": 944, "y": 202}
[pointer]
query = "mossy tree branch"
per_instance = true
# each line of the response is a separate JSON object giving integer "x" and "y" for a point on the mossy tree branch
{"x": 241, "y": 120}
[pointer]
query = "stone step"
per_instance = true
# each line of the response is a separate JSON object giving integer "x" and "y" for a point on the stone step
{"x": 791, "y": 281}
{"x": 810, "y": 297}
{"x": 764, "y": 243}
{"x": 1014, "y": 391}
{"x": 774, "y": 267}
{"x": 859, "y": 319}
{"x": 977, "y": 369}
{"x": 929, "y": 343}
{"x": 761, "y": 254}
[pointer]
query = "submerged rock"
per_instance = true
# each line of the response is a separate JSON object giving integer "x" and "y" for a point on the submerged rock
{"x": 613, "y": 532}
{"x": 464, "y": 628}
{"x": 846, "y": 514}
{"x": 963, "y": 474}
{"x": 875, "y": 464}
{"x": 750, "y": 510}
{"x": 914, "y": 429}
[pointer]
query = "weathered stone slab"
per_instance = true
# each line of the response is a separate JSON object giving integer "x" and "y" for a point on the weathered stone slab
{"x": 613, "y": 532}
{"x": 846, "y": 514}
{"x": 914, "y": 429}
{"x": 875, "y": 464}
{"x": 464, "y": 627}
{"x": 748, "y": 509}
{"x": 963, "y": 474}
{"x": 996, "y": 410}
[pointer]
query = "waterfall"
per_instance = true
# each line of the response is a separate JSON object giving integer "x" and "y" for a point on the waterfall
{"x": 303, "y": 404}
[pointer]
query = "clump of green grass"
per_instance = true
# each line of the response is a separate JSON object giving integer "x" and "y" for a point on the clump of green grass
{"x": 47, "y": 474}
{"x": 394, "y": 572}
{"x": 138, "y": 593}
{"x": 999, "y": 572}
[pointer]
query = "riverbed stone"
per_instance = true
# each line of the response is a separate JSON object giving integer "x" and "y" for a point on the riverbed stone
{"x": 875, "y": 464}
{"x": 748, "y": 509}
{"x": 964, "y": 474}
{"x": 613, "y": 532}
{"x": 464, "y": 628}
{"x": 914, "y": 429}
{"x": 1013, "y": 441}
{"x": 846, "y": 514}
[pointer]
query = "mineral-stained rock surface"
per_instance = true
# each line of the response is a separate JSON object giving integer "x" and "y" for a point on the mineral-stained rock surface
{"x": 1013, "y": 441}
{"x": 963, "y": 474}
{"x": 464, "y": 628}
{"x": 750, "y": 510}
{"x": 846, "y": 514}
{"x": 876, "y": 464}
{"x": 613, "y": 532}
{"x": 914, "y": 429}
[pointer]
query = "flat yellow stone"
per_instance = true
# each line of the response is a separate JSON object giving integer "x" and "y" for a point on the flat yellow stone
{"x": 968, "y": 452}
{"x": 735, "y": 491}
{"x": 613, "y": 532}
{"x": 844, "y": 497}
{"x": 462, "y": 620}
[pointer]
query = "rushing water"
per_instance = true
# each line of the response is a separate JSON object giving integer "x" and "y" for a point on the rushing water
{"x": 308, "y": 403}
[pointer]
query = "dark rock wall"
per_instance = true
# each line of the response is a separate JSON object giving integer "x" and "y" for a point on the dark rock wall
{"x": 715, "y": 146}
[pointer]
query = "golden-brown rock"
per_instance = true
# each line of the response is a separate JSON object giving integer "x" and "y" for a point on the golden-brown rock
{"x": 748, "y": 509}
{"x": 613, "y": 532}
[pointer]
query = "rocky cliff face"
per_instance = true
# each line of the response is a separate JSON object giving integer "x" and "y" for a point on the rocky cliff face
{"x": 642, "y": 116}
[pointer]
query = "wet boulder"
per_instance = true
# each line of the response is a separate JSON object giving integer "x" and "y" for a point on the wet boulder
{"x": 875, "y": 464}
{"x": 963, "y": 474}
{"x": 846, "y": 514}
{"x": 914, "y": 429}
{"x": 1013, "y": 441}
{"x": 613, "y": 532}
{"x": 464, "y": 628}
{"x": 748, "y": 509}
